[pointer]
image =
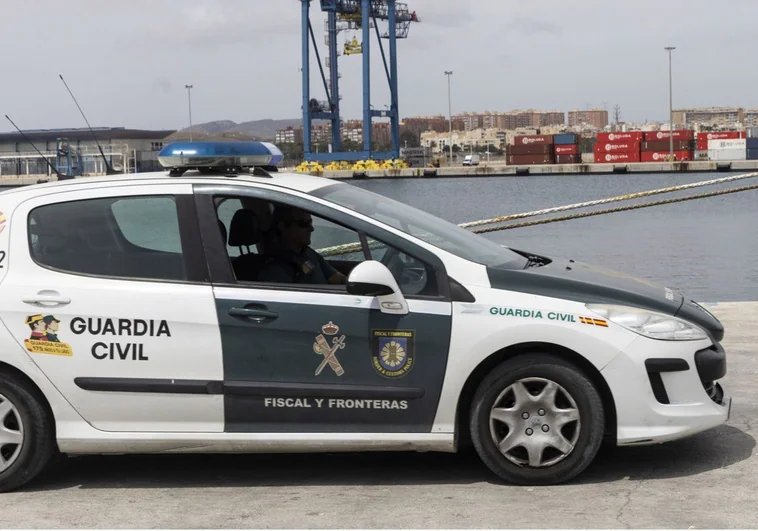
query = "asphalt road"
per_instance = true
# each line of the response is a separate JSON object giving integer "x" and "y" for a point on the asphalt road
{"x": 706, "y": 481}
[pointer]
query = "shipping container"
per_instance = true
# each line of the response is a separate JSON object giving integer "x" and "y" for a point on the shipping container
{"x": 720, "y": 135}
{"x": 631, "y": 156}
{"x": 575, "y": 158}
{"x": 526, "y": 140}
{"x": 662, "y": 156}
{"x": 752, "y": 154}
{"x": 631, "y": 136}
{"x": 751, "y": 143}
{"x": 513, "y": 160}
{"x": 679, "y": 134}
{"x": 702, "y": 143}
{"x": 727, "y": 154}
{"x": 569, "y": 149}
{"x": 613, "y": 147}
{"x": 737, "y": 143}
{"x": 566, "y": 138}
{"x": 701, "y": 155}
{"x": 665, "y": 145}
{"x": 531, "y": 149}
{"x": 751, "y": 132}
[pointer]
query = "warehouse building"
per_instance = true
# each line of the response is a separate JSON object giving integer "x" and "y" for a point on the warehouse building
{"x": 127, "y": 150}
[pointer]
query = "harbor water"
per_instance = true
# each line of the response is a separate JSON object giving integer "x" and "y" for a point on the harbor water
{"x": 705, "y": 247}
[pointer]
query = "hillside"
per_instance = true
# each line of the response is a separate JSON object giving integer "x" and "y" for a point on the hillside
{"x": 227, "y": 129}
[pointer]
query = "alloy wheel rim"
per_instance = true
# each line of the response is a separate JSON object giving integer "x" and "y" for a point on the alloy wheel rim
{"x": 11, "y": 433}
{"x": 535, "y": 423}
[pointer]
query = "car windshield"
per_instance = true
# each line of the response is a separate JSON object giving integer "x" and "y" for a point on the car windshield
{"x": 422, "y": 225}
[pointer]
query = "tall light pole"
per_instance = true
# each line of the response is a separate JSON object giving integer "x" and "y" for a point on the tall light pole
{"x": 189, "y": 97}
{"x": 449, "y": 73}
{"x": 671, "y": 108}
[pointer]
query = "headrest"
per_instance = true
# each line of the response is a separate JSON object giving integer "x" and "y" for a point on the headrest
{"x": 244, "y": 229}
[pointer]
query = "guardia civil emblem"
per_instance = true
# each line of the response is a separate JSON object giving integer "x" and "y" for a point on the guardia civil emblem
{"x": 329, "y": 351}
{"x": 392, "y": 352}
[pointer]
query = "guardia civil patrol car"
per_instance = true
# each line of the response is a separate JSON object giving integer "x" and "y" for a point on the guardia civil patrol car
{"x": 137, "y": 318}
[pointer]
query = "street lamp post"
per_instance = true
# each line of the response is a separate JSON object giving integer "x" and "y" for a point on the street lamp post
{"x": 449, "y": 73}
{"x": 671, "y": 108}
{"x": 189, "y": 98}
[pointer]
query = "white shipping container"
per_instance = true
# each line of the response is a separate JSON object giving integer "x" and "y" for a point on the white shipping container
{"x": 727, "y": 154}
{"x": 728, "y": 143}
{"x": 752, "y": 132}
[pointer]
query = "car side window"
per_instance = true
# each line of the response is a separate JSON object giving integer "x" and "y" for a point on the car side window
{"x": 267, "y": 254}
{"x": 130, "y": 237}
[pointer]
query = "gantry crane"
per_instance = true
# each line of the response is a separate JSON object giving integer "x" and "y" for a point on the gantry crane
{"x": 361, "y": 15}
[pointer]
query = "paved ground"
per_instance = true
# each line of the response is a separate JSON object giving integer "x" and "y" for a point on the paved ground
{"x": 708, "y": 481}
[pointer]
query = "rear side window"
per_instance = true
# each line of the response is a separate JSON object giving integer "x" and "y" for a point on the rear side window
{"x": 130, "y": 237}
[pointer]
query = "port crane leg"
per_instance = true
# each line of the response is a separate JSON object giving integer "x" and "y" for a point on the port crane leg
{"x": 306, "y": 78}
{"x": 365, "y": 15}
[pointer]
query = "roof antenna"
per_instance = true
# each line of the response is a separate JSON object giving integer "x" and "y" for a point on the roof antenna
{"x": 108, "y": 169}
{"x": 61, "y": 177}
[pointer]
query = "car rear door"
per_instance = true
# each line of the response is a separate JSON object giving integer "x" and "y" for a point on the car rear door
{"x": 313, "y": 358}
{"x": 107, "y": 291}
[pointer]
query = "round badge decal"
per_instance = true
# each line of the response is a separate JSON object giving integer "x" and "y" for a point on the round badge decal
{"x": 392, "y": 352}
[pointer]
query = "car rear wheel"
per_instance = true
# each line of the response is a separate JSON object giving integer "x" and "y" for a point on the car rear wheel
{"x": 537, "y": 420}
{"x": 26, "y": 437}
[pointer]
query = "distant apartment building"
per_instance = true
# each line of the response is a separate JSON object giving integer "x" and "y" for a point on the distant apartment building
{"x": 513, "y": 119}
{"x": 710, "y": 116}
{"x": 418, "y": 124}
{"x": 466, "y": 140}
{"x": 750, "y": 118}
{"x": 597, "y": 118}
{"x": 290, "y": 135}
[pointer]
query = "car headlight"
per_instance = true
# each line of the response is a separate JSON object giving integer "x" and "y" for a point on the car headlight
{"x": 650, "y": 324}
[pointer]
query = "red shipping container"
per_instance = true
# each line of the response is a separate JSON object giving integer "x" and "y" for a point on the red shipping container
{"x": 631, "y": 136}
{"x": 703, "y": 138}
{"x": 665, "y": 145}
{"x": 614, "y": 147}
{"x": 526, "y": 140}
{"x": 630, "y": 156}
{"x": 530, "y": 149}
{"x": 679, "y": 134}
{"x": 513, "y": 160}
{"x": 661, "y": 156}
{"x": 575, "y": 158}
{"x": 567, "y": 149}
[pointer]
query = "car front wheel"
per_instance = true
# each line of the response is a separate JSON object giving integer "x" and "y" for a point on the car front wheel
{"x": 537, "y": 420}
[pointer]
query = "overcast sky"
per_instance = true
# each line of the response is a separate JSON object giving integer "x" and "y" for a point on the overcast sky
{"x": 128, "y": 61}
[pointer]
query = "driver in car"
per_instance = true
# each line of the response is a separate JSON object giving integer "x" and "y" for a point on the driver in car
{"x": 292, "y": 260}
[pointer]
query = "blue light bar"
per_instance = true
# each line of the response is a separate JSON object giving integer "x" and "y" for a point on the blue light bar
{"x": 219, "y": 155}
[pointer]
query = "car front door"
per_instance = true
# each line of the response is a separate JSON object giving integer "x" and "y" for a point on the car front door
{"x": 107, "y": 292}
{"x": 314, "y": 358}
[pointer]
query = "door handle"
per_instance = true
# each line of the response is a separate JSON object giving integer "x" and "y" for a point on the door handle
{"x": 254, "y": 314}
{"x": 50, "y": 298}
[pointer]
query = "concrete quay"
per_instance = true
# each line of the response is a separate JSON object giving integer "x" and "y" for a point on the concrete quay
{"x": 705, "y": 481}
{"x": 500, "y": 169}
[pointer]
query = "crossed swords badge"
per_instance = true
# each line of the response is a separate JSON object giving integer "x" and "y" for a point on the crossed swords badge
{"x": 322, "y": 347}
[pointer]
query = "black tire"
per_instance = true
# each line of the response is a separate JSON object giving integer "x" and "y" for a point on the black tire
{"x": 38, "y": 445}
{"x": 575, "y": 383}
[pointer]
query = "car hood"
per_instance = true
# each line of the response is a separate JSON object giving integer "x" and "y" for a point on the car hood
{"x": 571, "y": 280}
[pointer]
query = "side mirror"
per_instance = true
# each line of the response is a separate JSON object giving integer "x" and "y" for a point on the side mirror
{"x": 373, "y": 279}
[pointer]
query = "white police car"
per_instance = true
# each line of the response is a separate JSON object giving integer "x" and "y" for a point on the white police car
{"x": 138, "y": 318}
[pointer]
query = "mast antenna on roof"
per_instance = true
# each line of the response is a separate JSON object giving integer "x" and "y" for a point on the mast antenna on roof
{"x": 108, "y": 168}
{"x": 61, "y": 176}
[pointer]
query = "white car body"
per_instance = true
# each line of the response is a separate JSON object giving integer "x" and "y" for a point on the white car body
{"x": 190, "y": 346}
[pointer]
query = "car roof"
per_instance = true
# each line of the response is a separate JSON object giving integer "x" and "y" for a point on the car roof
{"x": 294, "y": 181}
